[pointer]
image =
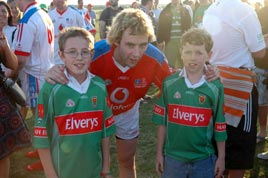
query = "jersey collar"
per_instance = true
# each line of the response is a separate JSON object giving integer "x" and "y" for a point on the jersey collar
{"x": 29, "y": 5}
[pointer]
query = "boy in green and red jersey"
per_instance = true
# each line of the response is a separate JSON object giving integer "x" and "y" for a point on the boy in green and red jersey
{"x": 74, "y": 121}
{"x": 189, "y": 114}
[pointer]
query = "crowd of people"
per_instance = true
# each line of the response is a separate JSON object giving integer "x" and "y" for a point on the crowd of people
{"x": 207, "y": 58}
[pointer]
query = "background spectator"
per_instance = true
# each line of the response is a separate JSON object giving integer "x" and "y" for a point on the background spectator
{"x": 107, "y": 16}
{"x": 236, "y": 43}
{"x": 92, "y": 14}
{"x": 174, "y": 20}
{"x": 16, "y": 13}
{"x": 63, "y": 16}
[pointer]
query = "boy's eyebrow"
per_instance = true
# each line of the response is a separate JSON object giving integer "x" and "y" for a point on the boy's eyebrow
{"x": 130, "y": 43}
{"x": 145, "y": 43}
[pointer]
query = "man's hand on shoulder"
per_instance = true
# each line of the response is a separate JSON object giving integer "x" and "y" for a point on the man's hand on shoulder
{"x": 211, "y": 72}
{"x": 56, "y": 74}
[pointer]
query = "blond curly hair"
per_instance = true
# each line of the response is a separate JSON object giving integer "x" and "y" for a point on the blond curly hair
{"x": 134, "y": 19}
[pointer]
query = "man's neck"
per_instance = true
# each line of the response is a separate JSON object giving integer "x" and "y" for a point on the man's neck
{"x": 62, "y": 9}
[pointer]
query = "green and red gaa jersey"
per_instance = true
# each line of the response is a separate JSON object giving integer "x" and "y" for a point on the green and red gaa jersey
{"x": 72, "y": 125}
{"x": 192, "y": 118}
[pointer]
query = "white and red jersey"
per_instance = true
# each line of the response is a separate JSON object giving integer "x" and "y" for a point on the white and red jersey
{"x": 236, "y": 33}
{"x": 68, "y": 18}
{"x": 34, "y": 39}
{"x": 127, "y": 87}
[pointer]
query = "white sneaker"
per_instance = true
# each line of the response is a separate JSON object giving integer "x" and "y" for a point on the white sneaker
{"x": 263, "y": 155}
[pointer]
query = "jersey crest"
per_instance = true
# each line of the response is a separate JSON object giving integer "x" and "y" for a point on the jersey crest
{"x": 94, "y": 101}
{"x": 70, "y": 103}
{"x": 202, "y": 99}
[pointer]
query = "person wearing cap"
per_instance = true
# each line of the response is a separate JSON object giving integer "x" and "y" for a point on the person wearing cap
{"x": 91, "y": 13}
{"x": 108, "y": 4}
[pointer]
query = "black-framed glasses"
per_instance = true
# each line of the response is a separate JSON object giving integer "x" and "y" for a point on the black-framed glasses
{"x": 84, "y": 53}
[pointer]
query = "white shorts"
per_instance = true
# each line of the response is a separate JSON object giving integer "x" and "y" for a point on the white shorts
{"x": 127, "y": 123}
{"x": 262, "y": 88}
{"x": 31, "y": 87}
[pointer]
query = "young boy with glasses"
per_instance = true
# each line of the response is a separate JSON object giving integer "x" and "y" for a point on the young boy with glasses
{"x": 74, "y": 121}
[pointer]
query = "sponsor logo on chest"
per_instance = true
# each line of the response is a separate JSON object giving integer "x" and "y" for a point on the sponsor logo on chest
{"x": 79, "y": 123}
{"x": 189, "y": 115}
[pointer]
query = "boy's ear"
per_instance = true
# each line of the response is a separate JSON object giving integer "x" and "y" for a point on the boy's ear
{"x": 61, "y": 54}
{"x": 209, "y": 55}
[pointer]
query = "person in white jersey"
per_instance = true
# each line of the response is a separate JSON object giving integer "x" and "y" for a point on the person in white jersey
{"x": 34, "y": 47}
{"x": 238, "y": 39}
{"x": 63, "y": 16}
{"x": 81, "y": 9}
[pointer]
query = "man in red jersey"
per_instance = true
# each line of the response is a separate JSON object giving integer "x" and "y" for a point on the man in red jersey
{"x": 129, "y": 64}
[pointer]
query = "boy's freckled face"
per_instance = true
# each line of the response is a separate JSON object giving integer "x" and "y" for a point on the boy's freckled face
{"x": 194, "y": 57}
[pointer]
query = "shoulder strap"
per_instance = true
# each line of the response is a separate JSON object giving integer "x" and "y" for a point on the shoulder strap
{"x": 28, "y": 14}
